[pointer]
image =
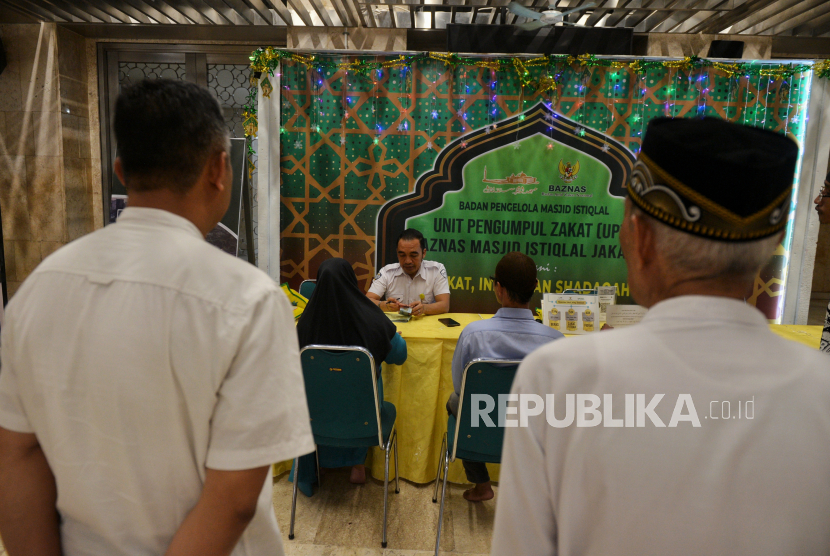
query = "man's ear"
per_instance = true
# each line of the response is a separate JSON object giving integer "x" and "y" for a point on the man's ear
{"x": 218, "y": 164}
{"x": 119, "y": 171}
{"x": 643, "y": 233}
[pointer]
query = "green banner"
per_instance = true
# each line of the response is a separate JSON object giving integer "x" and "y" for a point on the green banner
{"x": 538, "y": 183}
{"x": 555, "y": 207}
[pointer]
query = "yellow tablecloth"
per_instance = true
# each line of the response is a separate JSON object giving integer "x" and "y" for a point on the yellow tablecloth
{"x": 420, "y": 387}
{"x": 807, "y": 335}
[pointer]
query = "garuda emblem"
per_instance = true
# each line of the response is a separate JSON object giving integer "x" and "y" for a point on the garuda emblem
{"x": 568, "y": 171}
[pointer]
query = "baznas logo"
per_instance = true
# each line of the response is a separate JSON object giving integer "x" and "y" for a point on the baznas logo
{"x": 567, "y": 172}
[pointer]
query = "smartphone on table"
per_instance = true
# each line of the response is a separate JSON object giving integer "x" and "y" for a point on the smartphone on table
{"x": 449, "y": 322}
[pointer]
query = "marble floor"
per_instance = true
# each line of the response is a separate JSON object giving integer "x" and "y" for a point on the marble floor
{"x": 343, "y": 519}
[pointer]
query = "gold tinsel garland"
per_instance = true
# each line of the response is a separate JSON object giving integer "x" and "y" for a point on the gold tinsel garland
{"x": 266, "y": 60}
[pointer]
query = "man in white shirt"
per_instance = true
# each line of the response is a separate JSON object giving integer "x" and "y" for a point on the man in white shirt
{"x": 403, "y": 283}
{"x": 823, "y": 209}
{"x": 697, "y": 431}
{"x": 149, "y": 379}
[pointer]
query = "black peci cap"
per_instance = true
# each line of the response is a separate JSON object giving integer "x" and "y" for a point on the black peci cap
{"x": 715, "y": 179}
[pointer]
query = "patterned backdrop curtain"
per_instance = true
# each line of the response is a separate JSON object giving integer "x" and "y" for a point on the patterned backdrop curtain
{"x": 351, "y": 141}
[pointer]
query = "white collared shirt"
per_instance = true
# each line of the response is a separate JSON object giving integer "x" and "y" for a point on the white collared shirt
{"x": 140, "y": 355}
{"x": 430, "y": 280}
{"x": 751, "y": 479}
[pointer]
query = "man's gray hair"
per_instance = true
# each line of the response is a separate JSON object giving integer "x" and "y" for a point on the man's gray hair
{"x": 695, "y": 256}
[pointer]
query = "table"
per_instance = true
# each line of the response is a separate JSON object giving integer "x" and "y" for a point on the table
{"x": 420, "y": 387}
{"x": 808, "y": 335}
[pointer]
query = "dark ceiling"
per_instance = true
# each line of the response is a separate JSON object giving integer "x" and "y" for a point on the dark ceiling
{"x": 782, "y": 18}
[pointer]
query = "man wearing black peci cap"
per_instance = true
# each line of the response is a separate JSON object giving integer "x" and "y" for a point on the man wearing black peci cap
{"x": 511, "y": 333}
{"x": 823, "y": 210}
{"x": 697, "y": 431}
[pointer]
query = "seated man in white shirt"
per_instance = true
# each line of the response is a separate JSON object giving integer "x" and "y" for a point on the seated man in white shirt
{"x": 403, "y": 283}
{"x": 150, "y": 380}
{"x": 698, "y": 430}
{"x": 511, "y": 333}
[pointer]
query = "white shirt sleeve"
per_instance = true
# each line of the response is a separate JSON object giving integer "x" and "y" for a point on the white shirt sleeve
{"x": 525, "y": 521}
{"x": 261, "y": 415}
{"x": 381, "y": 283}
{"x": 12, "y": 415}
{"x": 441, "y": 284}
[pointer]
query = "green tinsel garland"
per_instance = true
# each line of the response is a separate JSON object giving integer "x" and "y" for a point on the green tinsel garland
{"x": 266, "y": 60}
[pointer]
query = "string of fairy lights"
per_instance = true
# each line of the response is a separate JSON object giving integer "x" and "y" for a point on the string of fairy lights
{"x": 605, "y": 80}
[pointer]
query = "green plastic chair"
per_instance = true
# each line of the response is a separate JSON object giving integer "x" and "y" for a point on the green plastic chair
{"x": 463, "y": 441}
{"x": 342, "y": 392}
{"x": 307, "y": 288}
